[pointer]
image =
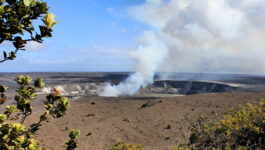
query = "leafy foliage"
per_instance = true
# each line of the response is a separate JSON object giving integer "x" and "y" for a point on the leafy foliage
{"x": 10, "y": 109}
{"x": 72, "y": 143}
{"x": 16, "y": 19}
{"x": 56, "y": 109}
{"x": 242, "y": 128}
{"x": 15, "y": 135}
{"x": 26, "y": 93}
{"x": 124, "y": 146}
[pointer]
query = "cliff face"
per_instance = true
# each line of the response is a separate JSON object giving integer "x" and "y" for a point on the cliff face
{"x": 186, "y": 87}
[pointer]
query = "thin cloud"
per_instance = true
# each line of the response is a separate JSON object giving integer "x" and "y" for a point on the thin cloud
{"x": 123, "y": 29}
{"x": 35, "y": 46}
{"x": 110, "y": 9}
{"x": 113, "y": 23}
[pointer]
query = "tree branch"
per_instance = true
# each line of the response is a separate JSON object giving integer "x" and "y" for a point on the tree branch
{"x": 8, "y": 58}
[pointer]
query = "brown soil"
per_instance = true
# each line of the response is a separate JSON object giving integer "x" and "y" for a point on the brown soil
{"x": 136, "y": 120}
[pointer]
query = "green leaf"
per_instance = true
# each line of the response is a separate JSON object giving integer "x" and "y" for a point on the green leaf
{"x": 27, "y": 2}
{"x": 2, "y": 9}
{"x": 38, "y": 83}
{"x": 74, "y": 134}
{"x": 2, "y": 118}
{"x": 5, "y": 137}
{"x": 3, "y": 88}
{"x": 33, "y": 4}
{"x": 11, "y": 109}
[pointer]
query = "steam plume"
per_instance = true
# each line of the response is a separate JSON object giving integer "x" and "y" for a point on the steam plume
{"x": 149, "y": 57}
{"x": 196, "y": 36}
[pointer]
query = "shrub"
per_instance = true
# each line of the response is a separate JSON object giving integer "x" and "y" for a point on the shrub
{"x": 16, "y": 26}
{"x": 242, "y": 128}
{"x": 72, "y": 143}
{"x": 124, "y": 146}
{"x": 16, "y": 135}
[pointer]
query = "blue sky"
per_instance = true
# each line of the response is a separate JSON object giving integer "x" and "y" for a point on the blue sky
{"x": 91, "y": 35}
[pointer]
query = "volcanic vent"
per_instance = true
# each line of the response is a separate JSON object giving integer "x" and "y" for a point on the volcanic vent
{"x": 184, "y": 87}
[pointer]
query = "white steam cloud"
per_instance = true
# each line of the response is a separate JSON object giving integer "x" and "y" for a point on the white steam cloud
{"x": 149, "y": 57}
{"x": 196, "y": 36}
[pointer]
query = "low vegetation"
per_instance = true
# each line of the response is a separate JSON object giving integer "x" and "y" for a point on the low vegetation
{"x": 72, "y": 143}
{"x": 16, "y": 135}
{"x": 121, "y": 145}
{"x": 241, "y": 128}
